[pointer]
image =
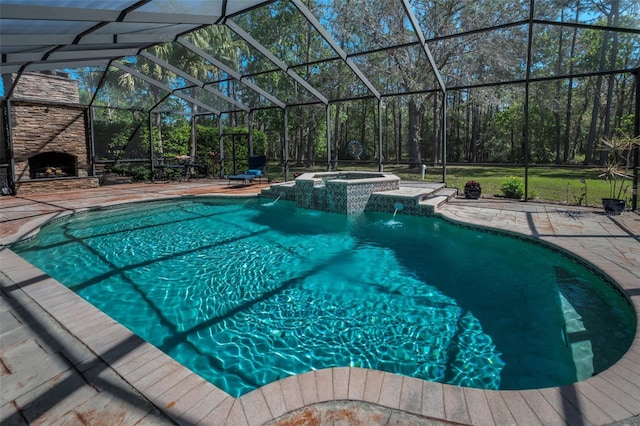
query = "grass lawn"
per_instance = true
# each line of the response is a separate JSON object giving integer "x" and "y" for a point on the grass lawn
{"x": 560, "y": 185}
{"x": 549, "y": 183}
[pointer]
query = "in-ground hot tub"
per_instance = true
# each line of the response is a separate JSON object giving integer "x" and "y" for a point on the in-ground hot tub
{"x": 341, "y": 192}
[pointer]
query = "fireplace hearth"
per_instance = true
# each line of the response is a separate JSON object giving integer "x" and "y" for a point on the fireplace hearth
{"x": 47, "y": 165}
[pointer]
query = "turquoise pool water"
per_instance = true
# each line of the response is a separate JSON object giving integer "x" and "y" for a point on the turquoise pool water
{"x": 245, "y": 293}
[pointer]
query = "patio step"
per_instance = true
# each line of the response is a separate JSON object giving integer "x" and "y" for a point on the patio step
{"x": 418, "y": 198}
{"x": 429, "y": 196}
{"x": 413, "y": 191}
{"x": 443, "y": 196}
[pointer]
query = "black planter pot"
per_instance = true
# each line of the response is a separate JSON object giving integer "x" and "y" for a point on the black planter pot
{"x": 613, "y": 205}
{"x": 473, "y": 194}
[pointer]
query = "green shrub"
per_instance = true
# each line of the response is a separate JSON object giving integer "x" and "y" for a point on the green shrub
{"x": 140, "y": 173}
{"x": 120, "y": 169}
{"x": 513, "y": 187}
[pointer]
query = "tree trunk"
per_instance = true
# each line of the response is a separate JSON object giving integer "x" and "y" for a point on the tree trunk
{"x": 467, "y": 129}
{"x": 596, "y": 98}
{"x": 397, "y": 131}
{"x": 160, "y": 153}
{"x": 336, "y": 136}
{"x": 437, "y": 140}
{"x": 299, "y": 145}
{"x": 567, "y": 124}
{"x": 513, "y": 145}
{"x": 612, "y": 78}
{"x": 310, "y": 142}
{"x": 309, "y": 151}
{"x": 363, "y": 128}
{"x": 457, "y": 130}
{"x": 578, "y": 143}
{"x": 621, "y": 93}
{"x": 192, "y": 150}
{"x": 556, "y": 103}
{"x": 414, "y": 134}
{"x": 475, "y": 128}
{"x": 386, "y": 133}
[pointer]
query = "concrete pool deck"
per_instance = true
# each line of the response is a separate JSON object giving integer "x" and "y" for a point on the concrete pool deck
{"x": 64, "y": 362}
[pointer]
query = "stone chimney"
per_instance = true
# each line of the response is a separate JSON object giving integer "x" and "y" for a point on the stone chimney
{"x": 48, "y": 86}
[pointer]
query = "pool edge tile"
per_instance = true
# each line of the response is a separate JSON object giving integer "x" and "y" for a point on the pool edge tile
{"x": 373, "y": 384}
{"x": 275, "y": 399}
{"x": 237, "y": 416}
{"x": 292, "y": 393}
{"x": 455, "y": 405}
{"x": 433, "y": 400}
{"x": 324, "y": 381}
{"x": 411, "y": 395}
{"x": 390, "y": 391}
{"x": 171, "y": 397}
{"x": 340, "y": 382}
{"x": 308, "y": 387}
{"x": 218, "y": 414}
{"x": 496, "y": 406}
{"x": 513, "y": 405}
{"x": 255, "y": 407}
{"x": 357, "y": 380}
{"x": 604, "y": 402}
{"x": 206, "y": 398}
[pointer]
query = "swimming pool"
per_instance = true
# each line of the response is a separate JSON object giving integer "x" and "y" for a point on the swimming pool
{"x": 304, "y": 290}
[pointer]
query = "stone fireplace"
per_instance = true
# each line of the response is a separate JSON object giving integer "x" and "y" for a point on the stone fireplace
{"x": 51, "y": 149}
{"x": 52, "y": 165}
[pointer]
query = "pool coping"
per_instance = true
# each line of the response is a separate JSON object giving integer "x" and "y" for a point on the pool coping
{"x": 609, "y": 397}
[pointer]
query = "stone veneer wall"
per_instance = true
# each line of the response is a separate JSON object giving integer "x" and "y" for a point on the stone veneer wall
{"x": 36, "y": 186}
{"x": 46, "y": 87}
{"x": 41, "y": 128}
{"x": 46, "y": 116}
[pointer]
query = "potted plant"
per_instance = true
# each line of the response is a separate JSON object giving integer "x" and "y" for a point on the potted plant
{"x": 472, "y": 190}
{"x": 616, "y": 170}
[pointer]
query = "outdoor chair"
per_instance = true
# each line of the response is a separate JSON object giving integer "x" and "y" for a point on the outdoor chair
{"x": 257, "y": 170}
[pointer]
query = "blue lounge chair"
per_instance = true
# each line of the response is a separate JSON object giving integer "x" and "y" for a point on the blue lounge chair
{"x": 257, "y": 170}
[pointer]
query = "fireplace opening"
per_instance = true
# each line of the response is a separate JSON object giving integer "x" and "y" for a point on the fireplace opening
{"x": 48, "y": 165}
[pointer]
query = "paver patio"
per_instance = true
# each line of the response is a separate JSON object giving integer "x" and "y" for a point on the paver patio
{"x": 64, "y": 362}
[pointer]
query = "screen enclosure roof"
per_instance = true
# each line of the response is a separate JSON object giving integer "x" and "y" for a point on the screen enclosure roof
{"x": 219, "y": 56}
